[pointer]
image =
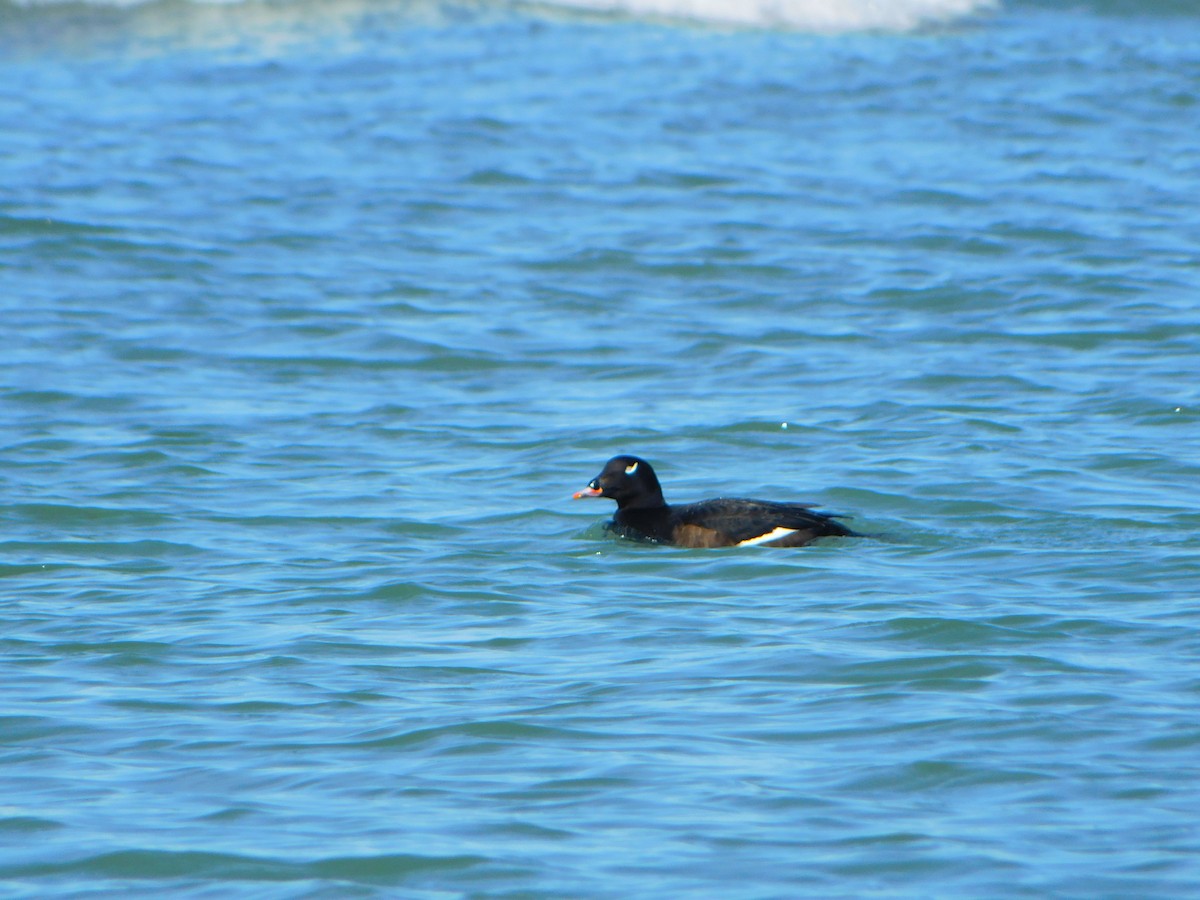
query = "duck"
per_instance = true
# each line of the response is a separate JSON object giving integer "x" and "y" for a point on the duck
{"x": 643, "y": 515}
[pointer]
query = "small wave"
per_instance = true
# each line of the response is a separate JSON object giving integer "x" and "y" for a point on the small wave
{"x": 147, "y": 864}
{"x": 809, "y": 15}
{"x": 826, "y": 16}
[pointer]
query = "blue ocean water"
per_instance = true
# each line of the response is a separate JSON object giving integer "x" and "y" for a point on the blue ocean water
{"x": 317, "y": 312}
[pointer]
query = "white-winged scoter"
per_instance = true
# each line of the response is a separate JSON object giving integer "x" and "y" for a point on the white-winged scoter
{"x": 643, "y": 515}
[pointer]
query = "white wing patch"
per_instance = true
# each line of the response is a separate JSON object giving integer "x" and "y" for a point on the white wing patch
{"x": 630, "y": 469}
{"x": 775, "y": 534}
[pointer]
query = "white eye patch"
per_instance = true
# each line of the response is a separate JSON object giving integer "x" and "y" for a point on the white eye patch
{"x": 631, "y": 468}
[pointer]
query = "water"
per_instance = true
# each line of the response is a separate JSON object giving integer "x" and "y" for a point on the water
{"x": 316, "y": 313}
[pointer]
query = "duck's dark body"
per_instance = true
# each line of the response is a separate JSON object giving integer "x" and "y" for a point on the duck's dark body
{"x": 643, "y": 515}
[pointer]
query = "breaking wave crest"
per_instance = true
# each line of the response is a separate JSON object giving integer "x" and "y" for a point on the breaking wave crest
{"x": 823, "y": 16}
{"x": 811, "y": 15}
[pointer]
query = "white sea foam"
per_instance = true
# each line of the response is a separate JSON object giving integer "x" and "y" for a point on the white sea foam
{"x": 810, "y": 15}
